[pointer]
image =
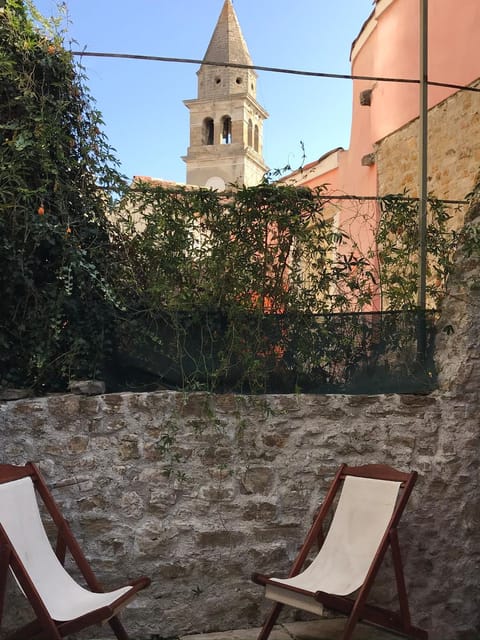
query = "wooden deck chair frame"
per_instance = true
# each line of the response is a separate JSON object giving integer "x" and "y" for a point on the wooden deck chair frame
{"x": 356, "y": 607}
{"x": 44, "y": 627}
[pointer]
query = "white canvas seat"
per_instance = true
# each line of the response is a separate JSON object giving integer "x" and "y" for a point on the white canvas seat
{"x": 360, "y": 521}
{"x": 371, "y": 500}
{"x": 54, "y": 595}
{"x": 64, "y": 598}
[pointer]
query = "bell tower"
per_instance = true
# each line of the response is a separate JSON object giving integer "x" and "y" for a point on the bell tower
{"x": 226, "y": 121}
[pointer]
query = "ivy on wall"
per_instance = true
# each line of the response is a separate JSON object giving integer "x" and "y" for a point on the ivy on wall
{"x": 189, "y": 286}
{"x": 56, "y": 170}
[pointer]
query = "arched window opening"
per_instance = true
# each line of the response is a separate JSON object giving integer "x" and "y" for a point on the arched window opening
{"x": 250, "y": 134}
{"x": 256, "y": 143}
{"x": 226, "y": 130}
{"x": 208, "y": 131}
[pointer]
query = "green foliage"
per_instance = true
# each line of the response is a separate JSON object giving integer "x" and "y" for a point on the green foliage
{"x": 233, "y": 291}
{"x": 55, "y": 173}
{"x": 197, "y": 289}
{"x": 264, "y": 248}
{"x": 397, "y": 239}
{"x": 204, "y": 279}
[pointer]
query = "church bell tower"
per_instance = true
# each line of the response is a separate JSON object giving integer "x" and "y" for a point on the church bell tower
{"x": 226, "y": 121}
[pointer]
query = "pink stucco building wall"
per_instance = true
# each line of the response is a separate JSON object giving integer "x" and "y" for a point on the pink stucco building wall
{"x": 388, "y": 45}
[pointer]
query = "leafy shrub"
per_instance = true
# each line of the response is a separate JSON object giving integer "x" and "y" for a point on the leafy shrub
{"x": 188, "y": 286}
{"x": 56, "y": 171}
{"x": 233, "y": 291}
{"x": 397, "y": 239}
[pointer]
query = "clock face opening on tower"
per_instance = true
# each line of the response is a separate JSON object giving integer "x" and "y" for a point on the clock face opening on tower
{"x": 216, "y": 183}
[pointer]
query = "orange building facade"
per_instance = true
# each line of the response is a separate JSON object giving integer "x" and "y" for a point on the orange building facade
{"x": 382, "y": 157}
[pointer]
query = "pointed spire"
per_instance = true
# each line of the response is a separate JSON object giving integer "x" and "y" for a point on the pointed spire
{"x": 227, "y": 43}
{"x": 226, "y": 121}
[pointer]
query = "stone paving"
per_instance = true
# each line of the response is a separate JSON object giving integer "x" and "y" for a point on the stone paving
{"x": 325, "y": 629}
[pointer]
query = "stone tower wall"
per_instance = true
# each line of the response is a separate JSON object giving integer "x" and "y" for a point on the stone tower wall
{"x": 225, "y": 91}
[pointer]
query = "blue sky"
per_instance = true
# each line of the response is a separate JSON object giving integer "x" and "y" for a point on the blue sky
{"x": 142, "y": 102}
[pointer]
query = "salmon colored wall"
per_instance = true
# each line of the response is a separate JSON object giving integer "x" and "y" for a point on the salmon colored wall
{"x": 392, "y": 50}
{"x": 388, "y": 46}
{"x": 329, "y": 178}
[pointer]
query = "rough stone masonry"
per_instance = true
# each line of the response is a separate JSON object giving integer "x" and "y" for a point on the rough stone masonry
{"x": 198, "y": 491}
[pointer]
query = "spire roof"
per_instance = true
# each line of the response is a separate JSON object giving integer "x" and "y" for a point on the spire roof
{"x": 227, "y": 43}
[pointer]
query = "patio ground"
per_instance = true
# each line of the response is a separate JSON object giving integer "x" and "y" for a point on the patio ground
{"x": 325, "y": 629}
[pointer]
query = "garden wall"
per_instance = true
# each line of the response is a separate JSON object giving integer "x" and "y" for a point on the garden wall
{"x": 198, "y": 491}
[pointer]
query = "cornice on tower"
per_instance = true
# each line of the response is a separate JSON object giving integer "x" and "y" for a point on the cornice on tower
{"x": 226, "y": 121}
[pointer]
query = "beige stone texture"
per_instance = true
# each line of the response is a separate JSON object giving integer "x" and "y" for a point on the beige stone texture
{"x": 237, "y": 162}
{"x": 325, "y": 629}
{"x": 226, "y": 91}
{"x": 453, "y": 152}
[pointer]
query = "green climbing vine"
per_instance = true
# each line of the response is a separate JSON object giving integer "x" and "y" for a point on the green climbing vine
{"x": 56, "y": 174}
{"x": 397, "y": 246}
{"x": 187, "y": 288}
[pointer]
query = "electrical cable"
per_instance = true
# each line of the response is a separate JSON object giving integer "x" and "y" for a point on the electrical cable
{"x": 318, "y": 74}
{"x": 298, "y": 72}
{"x": 381, "y": 198}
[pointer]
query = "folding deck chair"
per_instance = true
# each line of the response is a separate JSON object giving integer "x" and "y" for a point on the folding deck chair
{"x": 364, "y": 524}
{"x": 60, "y": 604}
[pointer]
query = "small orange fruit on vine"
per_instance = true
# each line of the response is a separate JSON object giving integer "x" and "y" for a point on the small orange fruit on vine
{"x": 41, "y": 210}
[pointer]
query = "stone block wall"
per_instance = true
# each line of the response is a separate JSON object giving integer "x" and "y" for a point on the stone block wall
{"x": 245, "y": 478}
{"x": 199, "y": 491}
{"x": 453, "y": 151}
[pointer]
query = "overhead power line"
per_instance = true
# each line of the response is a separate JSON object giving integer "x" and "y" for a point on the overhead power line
{"x": 395, "y": 197}
{"x": 297, "y": 72}
{"x": 333, "y": 197}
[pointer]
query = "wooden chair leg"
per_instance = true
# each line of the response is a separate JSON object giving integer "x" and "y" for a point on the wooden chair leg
{"x": 357, "y": 609}
{"x": 400, "y": 579}
{"x": 350, "y": 625}
{"x": 31, "y": 631}
{"x": 4, "y": 563}
{"x": 270, "y": 621}
{"x": 118, "y": 628}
